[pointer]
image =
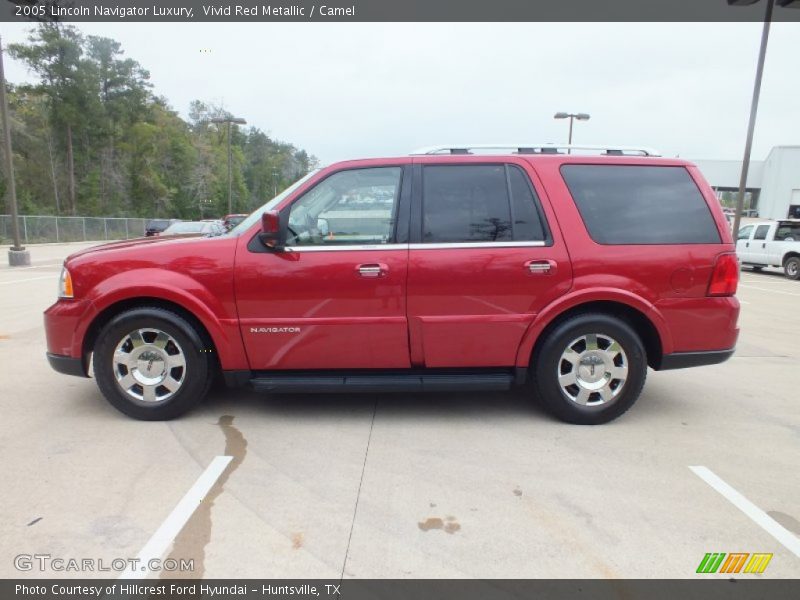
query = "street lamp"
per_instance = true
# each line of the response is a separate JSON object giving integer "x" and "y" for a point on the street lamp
{"x": 571, "y": 117}
{"x": 754, "y": 103}
{"x": 230, "y": 121}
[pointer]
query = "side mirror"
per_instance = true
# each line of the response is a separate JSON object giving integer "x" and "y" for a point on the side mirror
{"x": 323, "y": 227}
{"x": 270, "y": 234}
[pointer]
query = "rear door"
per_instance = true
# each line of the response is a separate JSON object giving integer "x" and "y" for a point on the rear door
{"x": 485, "y": 257}
{"x": 758, "y": 252}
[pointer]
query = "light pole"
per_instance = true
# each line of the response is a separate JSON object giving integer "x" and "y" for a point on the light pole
{"x": 230, "y": 121}
{"x": 17, "y": 255}
{"x": 762, "y": 53}
{"x": 274, "y": 182}
{"x": 571, "y": 117}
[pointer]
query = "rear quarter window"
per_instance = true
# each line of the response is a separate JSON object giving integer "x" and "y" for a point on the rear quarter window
{"x": 623, "y": 204}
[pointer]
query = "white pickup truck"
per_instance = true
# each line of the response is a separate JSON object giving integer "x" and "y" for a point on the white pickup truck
{"x": 771, "y": 244}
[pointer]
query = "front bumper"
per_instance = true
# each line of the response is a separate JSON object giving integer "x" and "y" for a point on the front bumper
{"x": 65, "y": 324}
{"x": 683, "y": 360}
{"x": 67, "y": 365}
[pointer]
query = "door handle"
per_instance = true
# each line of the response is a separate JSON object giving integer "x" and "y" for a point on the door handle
{"x": 545, "y": 267}
{"x": 764, "y": 245}
{"x": 372, "y": 270}
{"x": 747, "y": 245}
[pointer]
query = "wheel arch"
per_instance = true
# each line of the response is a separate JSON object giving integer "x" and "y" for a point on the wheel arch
{"x": 644, "y": 320}
{"x": 788, "y": 255}
{"x": 112, "y": 310}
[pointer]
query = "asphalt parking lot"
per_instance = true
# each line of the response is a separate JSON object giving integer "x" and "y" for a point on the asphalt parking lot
{"x": 422, "y": 486}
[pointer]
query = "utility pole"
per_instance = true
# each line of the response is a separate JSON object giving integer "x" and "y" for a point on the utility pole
{"x": 230, "y": 121}
{"x": 17, "y": 255}
{"x": 748, "y": 146}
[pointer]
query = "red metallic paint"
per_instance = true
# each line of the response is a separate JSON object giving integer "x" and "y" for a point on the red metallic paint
{"x": 344, "y": 320}
{"x": 431, "y": 307}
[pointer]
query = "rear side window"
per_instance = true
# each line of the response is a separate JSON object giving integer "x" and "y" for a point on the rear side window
{"x": 527, "y": 221}
{"x": 478, "y": 203}
{"x": 640, "y": 204}
{"x": 761, "y": 232}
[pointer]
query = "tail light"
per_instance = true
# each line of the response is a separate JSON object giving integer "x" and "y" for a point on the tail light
{"x": 725, "y": 276}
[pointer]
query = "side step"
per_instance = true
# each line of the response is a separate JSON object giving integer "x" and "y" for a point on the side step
{"x": 309, "y": 383}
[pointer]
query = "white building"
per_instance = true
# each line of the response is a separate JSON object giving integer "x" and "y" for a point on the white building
{"x": 773, "y": 185}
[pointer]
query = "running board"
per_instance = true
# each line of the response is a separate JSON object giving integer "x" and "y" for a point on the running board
{"x": 309, "y": 383}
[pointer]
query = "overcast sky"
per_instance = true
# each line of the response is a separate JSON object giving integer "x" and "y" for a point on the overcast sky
{"x": 352, "y": 90}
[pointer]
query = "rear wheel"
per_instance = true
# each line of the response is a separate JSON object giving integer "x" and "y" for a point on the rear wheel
{"x": 151, "y": 364}
{"x": 590, "y": 369}
{"x": 792, "y": 268}
{"x": 757, "y": 269}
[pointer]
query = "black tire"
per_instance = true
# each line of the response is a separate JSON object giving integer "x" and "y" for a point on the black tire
{"x": 792, "y": 268}
{"x": 757, "y": 269}
{"x": 548, "y": 364}
{"x": 196, "y": 375}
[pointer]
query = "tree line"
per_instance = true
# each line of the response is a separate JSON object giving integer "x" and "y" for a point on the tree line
{"x": 91, "y": 137}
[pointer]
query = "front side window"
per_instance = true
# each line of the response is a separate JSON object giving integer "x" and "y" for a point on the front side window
{"x": 623, "y": 204}
{"x": 478, "y": 203}
{"x": 744, "y": 233}
{"x": 353, "y": 207}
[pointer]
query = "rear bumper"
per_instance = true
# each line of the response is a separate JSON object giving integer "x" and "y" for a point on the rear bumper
{"x": 683, "y": 360}
{"x": 67, "y": 365}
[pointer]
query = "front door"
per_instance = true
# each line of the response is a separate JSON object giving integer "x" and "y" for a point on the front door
{"x": 335, "y": 298}
{"x": 483, "y": 262}
{"x": 743, "y": 243}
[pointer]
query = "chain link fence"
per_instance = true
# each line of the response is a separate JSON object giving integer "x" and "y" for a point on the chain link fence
{"x": 40, "y": 229}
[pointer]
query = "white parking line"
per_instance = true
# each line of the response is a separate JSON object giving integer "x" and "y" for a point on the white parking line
{"x": 172, "y": 525}
{"x": 53, "y": 277}
{"x": 51, "y": 264}
{"x": 767, "y": 523}
{"x": 753, "y": 287}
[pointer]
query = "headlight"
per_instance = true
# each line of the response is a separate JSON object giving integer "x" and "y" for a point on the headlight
{"x": 65, "y": 284}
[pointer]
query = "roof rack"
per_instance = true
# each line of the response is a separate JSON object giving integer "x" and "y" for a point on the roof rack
{"x": 536, "y": 149}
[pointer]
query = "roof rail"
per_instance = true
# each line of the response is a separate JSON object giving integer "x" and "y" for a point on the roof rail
{"x": 536, "y": 149}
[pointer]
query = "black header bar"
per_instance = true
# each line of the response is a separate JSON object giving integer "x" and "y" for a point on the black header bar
{"x": 396, "y": 10}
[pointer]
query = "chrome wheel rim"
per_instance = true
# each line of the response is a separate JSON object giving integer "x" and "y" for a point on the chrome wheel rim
{"x": 791, "y": 269}
{"x": 592, "y": 370}
{"x": 149, "y": 366}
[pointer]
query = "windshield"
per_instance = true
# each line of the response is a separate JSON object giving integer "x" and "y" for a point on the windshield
{"x": 186, "y": 227}
{"x": 256, "y": 214}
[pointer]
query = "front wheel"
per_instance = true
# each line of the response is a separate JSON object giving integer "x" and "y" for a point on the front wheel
{"x": 792, "y": 268}
{"x": 151, "y": 364}
{"x": 590, "y": 369}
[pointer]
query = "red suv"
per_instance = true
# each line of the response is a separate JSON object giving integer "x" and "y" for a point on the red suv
{"x": 447, "y": 269}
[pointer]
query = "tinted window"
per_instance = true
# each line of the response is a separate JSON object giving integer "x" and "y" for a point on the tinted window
{"x": 640, "y": 205}
{"x": 761, "y": 232}
{"x": 527, "y": 222}
{"x": 788, "y": 232}
{"x": 354, "y": 207}
{"x": 465, "y": 203}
